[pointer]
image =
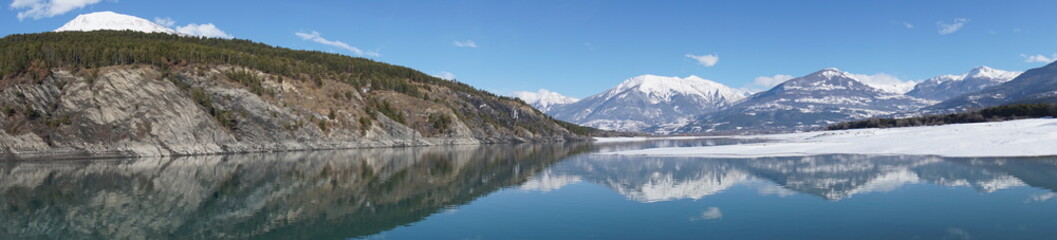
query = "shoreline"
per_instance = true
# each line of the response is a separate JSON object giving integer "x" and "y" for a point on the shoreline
{"x": 1017, "y": 138}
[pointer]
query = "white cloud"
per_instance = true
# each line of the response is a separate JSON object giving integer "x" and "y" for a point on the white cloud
{"x": 1039, "y": 58}
{"x": 711, "y": 213}
{"x": 886, "y": 82}
{"x": 705, "y": 60}
{"x": 168, "y": 22}
{"x": 908, "y": 25}
{"x": 38, "y": 9}
{"x": 769, "y": 82}
{"x": 467, "y": 44}
{"x": 1041, "y": 197}
{"x": 203, "y": 30}
{"x": 775, "y": 190}
{"x": 945, "y": 28}
{"x": 445, "y": 75}
{"x": 957, "y": 233}
{"x": 197, "y": 30}
{"x": 316, "y": 37}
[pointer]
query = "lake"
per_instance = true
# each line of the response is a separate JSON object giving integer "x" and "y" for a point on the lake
{"x": 559, "y": 191}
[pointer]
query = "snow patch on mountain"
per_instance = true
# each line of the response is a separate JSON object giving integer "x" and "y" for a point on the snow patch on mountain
{"x": 662, "y": 88}
{"x": 948, "y": 86}
{"x": 643, "y": 102}
{"x": 991, "y": 73}
{"x": 108, "y": 20}
{"x": 113, "y": 21}
{"x": 809, "y": 102}
{"x": 544, "y": 99}
{"x": 886, "y": 82}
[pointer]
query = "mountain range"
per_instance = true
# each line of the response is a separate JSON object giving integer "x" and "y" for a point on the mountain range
{"x": 376, "y": 104}
{"x": 809, "y": 102}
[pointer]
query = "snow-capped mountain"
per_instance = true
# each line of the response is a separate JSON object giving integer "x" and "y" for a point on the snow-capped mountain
{"x": 809, "y": 102}
{"x": 1035, "y": 85}
{"x": 648, "y": 101}
{"x": 544, "y": 99}
{"x": 113, "y": 21}
{"x": 948, "y": 86}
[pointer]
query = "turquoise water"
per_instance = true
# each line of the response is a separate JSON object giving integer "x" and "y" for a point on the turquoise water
{"x": 529, "y": 192}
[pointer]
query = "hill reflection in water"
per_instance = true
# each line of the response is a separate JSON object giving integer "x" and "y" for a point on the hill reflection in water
{"x": 303, "y": 195}
{"x": 401, "y": 191}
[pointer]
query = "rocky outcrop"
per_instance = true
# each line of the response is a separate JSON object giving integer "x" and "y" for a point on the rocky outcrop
{"x": 144, "y": 110}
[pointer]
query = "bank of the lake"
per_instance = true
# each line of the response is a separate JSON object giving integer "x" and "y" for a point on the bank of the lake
{"x": 1018, "y": 138}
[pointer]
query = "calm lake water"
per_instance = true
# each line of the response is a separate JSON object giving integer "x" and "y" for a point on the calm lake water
{"x": 529, "y": 192}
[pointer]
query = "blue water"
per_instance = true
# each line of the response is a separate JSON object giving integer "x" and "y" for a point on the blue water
{"x": 530, "y": 192}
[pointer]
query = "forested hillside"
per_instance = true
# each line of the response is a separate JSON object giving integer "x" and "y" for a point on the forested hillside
{"x": 128, "y": 93}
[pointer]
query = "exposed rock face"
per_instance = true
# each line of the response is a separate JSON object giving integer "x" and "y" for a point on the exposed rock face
{"x": 143, "y": 110}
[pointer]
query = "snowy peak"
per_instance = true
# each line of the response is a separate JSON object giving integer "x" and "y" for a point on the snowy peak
{"x": 828, "y": 73}
{"x": 666, "y": 87}
{"x": 544, "y": 99}
{"x": 991, "y": 73}
{"x": 948, "y": 86}
{"x": 806, "y": 103}
{"x": 647, "y": 103}
{"x": 981, "y": 72}
{"x": 823, "y": 80}
{"x": 112, "y": 21}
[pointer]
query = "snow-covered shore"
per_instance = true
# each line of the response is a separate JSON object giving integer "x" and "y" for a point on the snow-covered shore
{"x": 643, "y": 139}
{"x": 1030, "y": 137}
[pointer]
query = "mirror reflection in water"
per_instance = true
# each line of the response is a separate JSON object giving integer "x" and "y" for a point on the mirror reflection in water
{"x": 528, "y": 192}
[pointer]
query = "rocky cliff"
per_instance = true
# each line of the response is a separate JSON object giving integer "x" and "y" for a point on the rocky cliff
{"x": 62, "y": 106}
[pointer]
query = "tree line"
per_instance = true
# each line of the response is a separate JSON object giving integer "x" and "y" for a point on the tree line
{"x": 991, "y": 114}
{"x": 34, "y": 54}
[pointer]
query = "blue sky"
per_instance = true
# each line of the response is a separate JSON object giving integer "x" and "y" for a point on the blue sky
{"x": 579, "y": 48}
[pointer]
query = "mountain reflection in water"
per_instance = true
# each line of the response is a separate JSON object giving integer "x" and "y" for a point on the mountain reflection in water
{"x": 295, "y": 195}
{"x": 832, "y": 177}
{"x": 361, "y": 193}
